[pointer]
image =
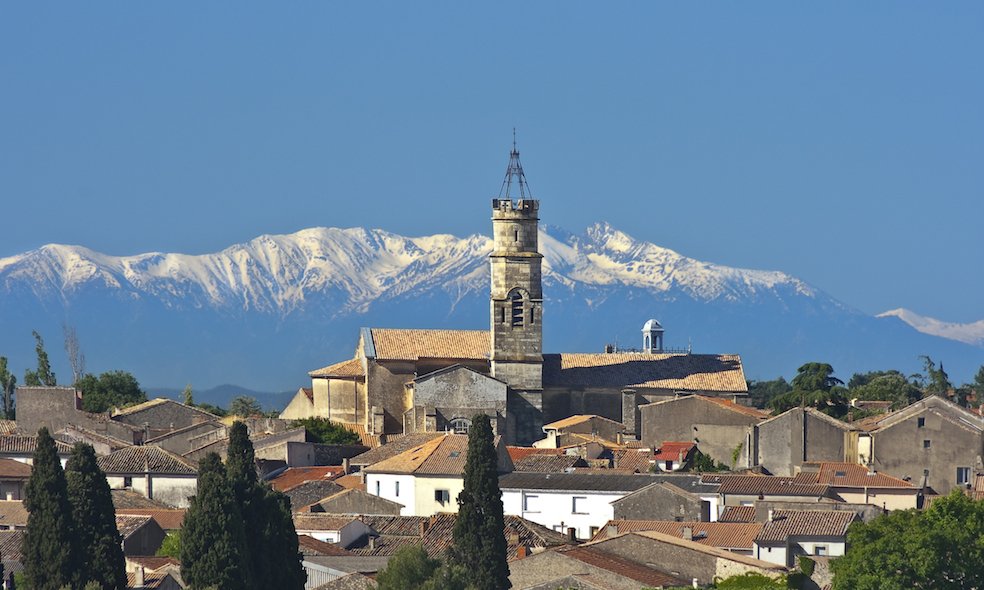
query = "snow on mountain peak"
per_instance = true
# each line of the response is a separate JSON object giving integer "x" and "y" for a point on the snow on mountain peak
{"x": 970, "y": 333}
{"x": 353, "y": 268}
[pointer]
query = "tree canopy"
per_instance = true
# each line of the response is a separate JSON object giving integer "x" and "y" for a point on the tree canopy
{"x": 101, "y": 553}
{"x": 325, "y": 431}
{"x": 941, "y": 548}
{"x": 43, "y": 376}
{"x": 816, "y": 386}
{"x": 408, "y": 569}
{"x": 49, "y": 548}
{"x": 244, "y": 406}
{"x": 8, "y": 382}
{"x": 760, "y": 393}
{"x": 108, "y": 390}
{"x": 479, "y": 539}
{"x": 890, "y": 386}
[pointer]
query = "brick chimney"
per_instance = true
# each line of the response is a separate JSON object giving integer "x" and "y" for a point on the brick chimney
{"x": 688, "y": 533}
{"x": 521, "y": 552}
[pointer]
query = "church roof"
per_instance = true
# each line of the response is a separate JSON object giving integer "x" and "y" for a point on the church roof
{"x": 349, "y": 368}
{"x": 410, "y": 345}
{"x": 680, "y": 372}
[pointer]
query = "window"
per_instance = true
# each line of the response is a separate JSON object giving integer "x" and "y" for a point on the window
{"x": 579, "y": 505}
{"x": 460, "y": 425}
{"x": 820, "y": 550}
{"x": 397, "y": 484}
{"x": 377, "y": 487}
{"x": 442, "y": 496}
{"x": 127, "y": 482}
{"x": 502, "y": 315}
{"x": 963, "y": 476}
{"x": 926, "y": 444}
{"x": 531, "y": 503}
{"x": 920, "y": 422}
{"x": 593, "y": 531}
{"x": 516, "y": 301}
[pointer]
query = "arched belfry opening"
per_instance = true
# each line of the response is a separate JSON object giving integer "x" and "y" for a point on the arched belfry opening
{"x": 652, "y": 337}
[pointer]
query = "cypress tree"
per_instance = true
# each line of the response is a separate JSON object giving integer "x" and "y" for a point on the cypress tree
{"x": 479, "y": 531}
{"x": 101, "y": 556}
{"x": 213, "y": 548}
{"x": 272, "y": 548}
{"x": 49, "y": 548}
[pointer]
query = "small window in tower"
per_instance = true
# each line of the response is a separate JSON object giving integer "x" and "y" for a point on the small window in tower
{"x": 532, "y": 317}
{"x": 502, "y": 315}
{"x": 515, "y": 235}
{"x": 517, "y": 309}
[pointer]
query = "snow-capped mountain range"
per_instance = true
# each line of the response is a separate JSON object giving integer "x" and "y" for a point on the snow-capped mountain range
{"x": 265, "y": 312}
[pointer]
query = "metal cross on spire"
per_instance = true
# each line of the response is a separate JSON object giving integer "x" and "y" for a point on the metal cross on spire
{"x": 514, "y": 172}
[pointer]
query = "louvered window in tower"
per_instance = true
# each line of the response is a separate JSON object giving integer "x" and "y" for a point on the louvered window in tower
{"x": 517, "y": 309}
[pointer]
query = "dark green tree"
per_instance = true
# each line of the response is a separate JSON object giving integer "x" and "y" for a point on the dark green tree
{"x": 49, "y": 547}
{"x": 8, "y": 382}
{"x": 935, "y": 380}
{"x": 112, "y": 389}
{"x": 187, "y": 396}
{"x": 43, "y": 376}
{"x": 760, "y": 393}
{"x": 479, "y": 537}
{"x": 940, "y": 548}
{"x": 814, "y": 385}
{"x": 244, "y": 406}
{"x": 101, "y": 557}
{"x": 978, "y": 384}
{"x": 272, "y": 549}
{"x": 890, "y": 386}
{"x": 815, "y": 377}
{"x": 409, "y": 569}
{"x": 213, "y": 546}
{"x": 325, "y": 431}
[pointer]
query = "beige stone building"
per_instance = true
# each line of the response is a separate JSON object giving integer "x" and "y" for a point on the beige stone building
{"x": 436, "y": 380}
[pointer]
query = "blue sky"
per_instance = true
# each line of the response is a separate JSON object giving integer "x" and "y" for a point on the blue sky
{"x": 840, "y": 142}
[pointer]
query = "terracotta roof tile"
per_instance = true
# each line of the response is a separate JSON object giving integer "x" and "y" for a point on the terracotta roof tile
{"x": 152, "y": 562}
{"x": 621, "y": 566}
{"x": 146, "y": 459}
{"x": 637, "y": 460}
{"x": 169, "y": 519}
{"x": 725, "y": 535}
{"x": 12, "y": 514}
{"x": 738, "y": 514}
{"x": 805, "y": 523}
{"x": 576, "y": 419}
{"x": 673, "y": 451}
{"x": 518, "y": 453}
{"x": 20, "y": 444}
{"x": 308, "y": 393}
{"x": 730, "y": 405}
{"x": 308, "y": 545}
{"x": 126, "y": 498}
{"x": 679, "y": 372}
{"x": 309, "y": 492}
{"x": 345, "y": 369}
{"x": 10, "y": 469}
{"x": 10, "y": 545}
{"x": 853, "y": 475}
{"x": 548, "y": 463}
{"x": 7, "y": 426}
{"x": 768, "y": 485}
{"x": 411, "y": 345}
{"x": 151, "y": 580}
{"x": 352, "y": 481}
{"x": 297, "y": 475}
{"x": 128, "y": 524}
{"x": 319, "y": 521}
{"x": 136, "y": 408}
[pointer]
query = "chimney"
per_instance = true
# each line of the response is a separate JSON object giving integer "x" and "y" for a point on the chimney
{"x": 770, "y": 516}
{"x": 611, "y": 530}
{"x": 138, "y": 575}
{"x": 372, "y": 543}
{"x": 513, "y": 538}
{"x": 521, "y": 552}
{"x": 688, "y": 533}
{"x": 424, "y": 525}
{"x": 346, "y": 466}
{"x": 572, "y": 534}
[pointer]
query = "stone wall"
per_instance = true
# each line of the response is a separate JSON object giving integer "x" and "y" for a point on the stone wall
{"x": 716, "y": 430}
{"x": 659, "y": 502}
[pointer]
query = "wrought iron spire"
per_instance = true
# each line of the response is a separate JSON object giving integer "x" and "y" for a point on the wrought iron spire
{"x": 514, "y": 172}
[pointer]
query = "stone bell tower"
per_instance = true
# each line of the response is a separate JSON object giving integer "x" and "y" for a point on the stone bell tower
{"x": 516, "y": 304}
{"x": 516, "y": 300}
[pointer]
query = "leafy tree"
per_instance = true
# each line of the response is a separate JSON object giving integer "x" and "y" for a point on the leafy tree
{"x": 171, "y": 546}
{"x": 213, "y": 546}
{"x": 935, "y": 380}
{"x": 212, "y": 409}
{"x": 111, "y": 389}
{"x": 940, "y": 548}
{"x": 76, "y": 358}
{"x": 890, "y": 386}
{"x": 8, "y": 382}
{"x": 705, "y": 463}
{"x": 409, "y": 569}
{"x": 244, "y": 406}
{"x": 43, "y": 376}
{"x": 101, "y": 557}
{"x": 479, "y": 541}
{"x": 325, "y": 431}
{"x": 751, "y": 581}
{"x": 273, "y": 551}
{"x": 187, "y": 396}
{"x": 978, "y": 384}
{"x": 814, "y": 385}
{"x": 762, "y": 392}
{"x": 49, "y": 547}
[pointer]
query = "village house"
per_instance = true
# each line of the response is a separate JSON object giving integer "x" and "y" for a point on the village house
{"x": 21, "y": 448}
{"x": 933, "y": 443}
{"x": 734, "y": 537}
{"x": 566, "y": 502}
{"x": 800, "y": 435}
{"x": 13, "y": 478}
{"x": 790, "y": 533}
{"x": 141, "y": 534}
{"x": 857, "y": 484}
{"x": 721, "y": 428}
{"x": 152, "y": 472}
{"x": 589, "y": 425}
{"x": 568, "y": 567}
{"x": 683, "y": 497}
{"x": 428, "y": 478}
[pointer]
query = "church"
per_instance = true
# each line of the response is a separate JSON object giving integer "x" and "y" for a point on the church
{"x": 419, "y": 380}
